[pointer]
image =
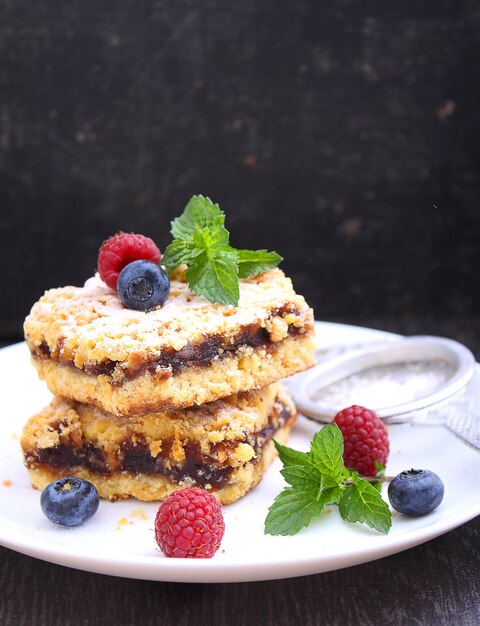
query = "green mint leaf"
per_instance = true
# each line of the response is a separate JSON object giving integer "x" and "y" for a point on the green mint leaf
{"x": 332, "y": 495}
{"x": 178, "y": 252}
{"x": 215, "y": 277}
{"x": 303, "y": 477}
{"x": 291, "y": 511}
{"x": 252, "y": 262}
{"x": 380, "y": 474}
{"x": 361, "y": 502}
{"x": 326, "y": 451}
{"x": 289, "y": 456}
{"x": 201, "y": 241}
{"x": 212, "y": 239}
{"x": 380, "y": 469}
{"x": 200, "y": 212}
{"x": 319, "y": 478}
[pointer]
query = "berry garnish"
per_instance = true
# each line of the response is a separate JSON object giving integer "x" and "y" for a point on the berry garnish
{"x": 120, "y": 250}
{"x": 365, "y": 438}
{"x": 189, "y": 524}
{"x": 415, "y": 492}
{"x": 143, "y": 286}
{"x": 69, "y": 501}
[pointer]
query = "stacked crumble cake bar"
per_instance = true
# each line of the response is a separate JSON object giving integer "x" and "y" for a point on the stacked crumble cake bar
{"x": 184, "y": 395}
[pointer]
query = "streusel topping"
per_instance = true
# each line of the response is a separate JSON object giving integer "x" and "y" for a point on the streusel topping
{"x": 89, "y": 324}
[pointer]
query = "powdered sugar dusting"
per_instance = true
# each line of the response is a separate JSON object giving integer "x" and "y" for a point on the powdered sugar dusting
{"x": 92, "y": 325}
{"x": 386, "y": 385}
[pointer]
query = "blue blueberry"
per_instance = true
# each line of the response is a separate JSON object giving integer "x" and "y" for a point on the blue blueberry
{"x": 69, "y": 501}
{"x": 143, "y": 285}
{"x": 415, "y": 492}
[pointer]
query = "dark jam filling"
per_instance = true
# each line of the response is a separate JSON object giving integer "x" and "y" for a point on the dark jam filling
{"x": 170, "y": 360}
{"x": 198, "y": 468}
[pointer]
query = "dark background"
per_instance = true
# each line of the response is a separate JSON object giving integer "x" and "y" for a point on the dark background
{"x": 344, "y": 135}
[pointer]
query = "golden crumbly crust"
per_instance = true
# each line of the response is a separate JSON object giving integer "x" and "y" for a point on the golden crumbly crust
{"x": 224, "y": 447}
{"x": 89, "y": 347}
{"x": 155, "y": 488}
{"x": 252, "y": 368}
{"x": 231, "y": 419}
{"x": 86, "y": 326}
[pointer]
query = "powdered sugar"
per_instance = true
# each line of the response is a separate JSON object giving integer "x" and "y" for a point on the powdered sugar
{"x": 92, "y": 325}
{"x": 386, "y": 385}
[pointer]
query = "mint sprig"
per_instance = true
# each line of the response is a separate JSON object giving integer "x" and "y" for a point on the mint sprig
{"x": 361, "y": 502}
{"x": 201, "y": 241}
{"x": 319, "y": 478}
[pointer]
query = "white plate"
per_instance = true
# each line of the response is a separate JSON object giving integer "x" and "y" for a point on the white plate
{"x": 119, "y": 541}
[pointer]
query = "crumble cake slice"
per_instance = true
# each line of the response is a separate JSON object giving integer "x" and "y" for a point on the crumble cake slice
{"x": 224, "y": 446}
{"x": 88, "y": 347}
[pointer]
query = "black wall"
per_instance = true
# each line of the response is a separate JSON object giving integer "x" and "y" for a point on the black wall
{"x": 344, "y": 135}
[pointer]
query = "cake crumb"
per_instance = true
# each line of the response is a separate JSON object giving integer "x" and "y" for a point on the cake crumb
{"x": 123, "y": 521}
{"x": 139, "y": 513}
{"x": 7, "y": 483}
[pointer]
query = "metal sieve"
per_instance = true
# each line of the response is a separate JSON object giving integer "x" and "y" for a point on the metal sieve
{"x": 433, "y": 371}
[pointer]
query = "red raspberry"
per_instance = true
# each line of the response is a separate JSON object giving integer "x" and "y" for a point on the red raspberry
{"x": 365, "y": 439}
{"x": 122, "y": 249}
{"x": 189, "y": 524}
